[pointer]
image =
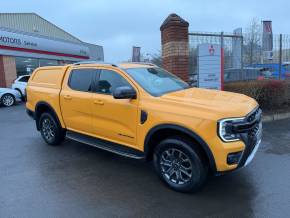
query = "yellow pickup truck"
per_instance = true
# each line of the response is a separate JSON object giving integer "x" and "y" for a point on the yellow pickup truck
{"x": 142, "y": 111}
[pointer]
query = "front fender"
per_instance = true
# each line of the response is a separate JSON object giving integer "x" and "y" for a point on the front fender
{"x": 190, "y": 133}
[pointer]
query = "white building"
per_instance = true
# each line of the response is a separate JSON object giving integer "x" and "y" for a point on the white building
{"x": 28, "y": 41}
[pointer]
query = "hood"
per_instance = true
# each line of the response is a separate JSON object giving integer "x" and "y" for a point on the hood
{"x": 8, "y": 90}
{"x": 5, "y": 90}
{"x": 222, "y": 104}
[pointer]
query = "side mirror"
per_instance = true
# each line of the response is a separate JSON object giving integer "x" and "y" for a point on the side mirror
{"x": 124, "y": 92}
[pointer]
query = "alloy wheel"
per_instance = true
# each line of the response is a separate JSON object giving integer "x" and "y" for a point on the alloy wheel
{"x": 48, "y": 129}
{"x": 7, "y": 100}
{"x": 176, "y": 166}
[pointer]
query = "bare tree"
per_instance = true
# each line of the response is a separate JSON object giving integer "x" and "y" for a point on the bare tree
{"x": 252, "y": 42}
{"x": 156, "y": 59}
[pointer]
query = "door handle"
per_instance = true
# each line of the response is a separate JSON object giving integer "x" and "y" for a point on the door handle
{"x": 67, "y": 97}
{"x": 99, "y": 102}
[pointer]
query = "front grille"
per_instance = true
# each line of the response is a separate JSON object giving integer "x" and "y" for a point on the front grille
{"x": 251, "y": 135}
{"x": 253, "y": 132}
{"x": 253, "y": 115}
{"x": 249, "y": 124}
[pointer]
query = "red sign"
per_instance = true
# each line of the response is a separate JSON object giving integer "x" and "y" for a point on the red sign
{"x": 211, "y": 50}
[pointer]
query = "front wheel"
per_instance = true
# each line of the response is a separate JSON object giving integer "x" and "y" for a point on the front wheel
{"x": 8, "y": 100}
{"x": 180, "y": 164}
{"x": 51, "y": 131}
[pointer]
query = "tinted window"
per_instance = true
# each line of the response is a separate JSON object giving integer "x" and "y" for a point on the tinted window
{"x": 24, "y": 79}
{"x": 81, "y": 79}
{"x": 109, "y": 81}
{"x": 157, "y": 81}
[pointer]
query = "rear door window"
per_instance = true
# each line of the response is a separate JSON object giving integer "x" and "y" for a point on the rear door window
{"x": 81, "y": 79}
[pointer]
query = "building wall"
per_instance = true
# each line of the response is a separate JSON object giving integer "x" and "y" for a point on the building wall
{"x": 2, "y": 73}
{"x": 96, "y": 52}
{"x": 7, "y": 71}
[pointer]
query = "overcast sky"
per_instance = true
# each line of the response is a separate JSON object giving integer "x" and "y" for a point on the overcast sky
{"x": 120, "y": 24}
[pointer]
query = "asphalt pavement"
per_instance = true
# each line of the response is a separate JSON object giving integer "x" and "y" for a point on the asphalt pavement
{"x": 76, "y": 180}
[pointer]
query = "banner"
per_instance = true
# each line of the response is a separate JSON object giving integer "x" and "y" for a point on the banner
{"x": 237, "y": 49}
{"x": 136, "y": 54}
{"x": 267, "y": 42}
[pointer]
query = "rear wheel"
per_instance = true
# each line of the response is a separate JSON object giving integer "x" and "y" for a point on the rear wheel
{"x": 180, "y": 164}
{"x": 51, "y": 131}
{"x": 7, "y": 100}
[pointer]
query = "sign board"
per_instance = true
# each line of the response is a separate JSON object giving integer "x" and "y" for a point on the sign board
{"x": 17, "y": 42}
{"x": 209, "y": 66}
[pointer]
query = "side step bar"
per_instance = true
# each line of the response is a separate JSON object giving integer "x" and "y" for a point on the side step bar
{"x": 105, "y": 145}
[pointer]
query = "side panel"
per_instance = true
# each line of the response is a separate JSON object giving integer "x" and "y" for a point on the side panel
{"x": 44, "y": 86}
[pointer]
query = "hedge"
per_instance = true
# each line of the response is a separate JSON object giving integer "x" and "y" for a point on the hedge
{"x": 272, "y": 95}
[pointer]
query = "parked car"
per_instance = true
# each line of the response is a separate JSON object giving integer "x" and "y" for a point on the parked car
{"x": 142, "y": 111}
{"x": 20, "y": 84}
{"x": 273, "y": 69}
{"x": 9, "y": 97}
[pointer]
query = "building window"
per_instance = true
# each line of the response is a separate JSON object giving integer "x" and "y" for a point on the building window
{"x": 25, "y": 66}
{"x": 47, "y": 62}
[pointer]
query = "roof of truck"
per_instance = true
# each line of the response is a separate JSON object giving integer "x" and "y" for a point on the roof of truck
{"x": 135, "y": 65}
{"x": 121, "y": 65}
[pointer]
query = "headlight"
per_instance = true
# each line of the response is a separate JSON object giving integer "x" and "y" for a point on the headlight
{"x": 225, "y": 129}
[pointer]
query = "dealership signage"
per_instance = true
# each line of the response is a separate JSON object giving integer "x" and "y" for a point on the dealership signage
{"x": 209, "y": 66}
{"x": 29, "y": 43}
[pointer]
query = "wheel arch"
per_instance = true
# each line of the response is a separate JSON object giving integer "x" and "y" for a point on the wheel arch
{"x": 42, "y": 107}
{"x": 19, "y": 90}
{"x": 160, "y": 132}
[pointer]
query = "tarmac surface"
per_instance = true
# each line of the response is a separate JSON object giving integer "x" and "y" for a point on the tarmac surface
{"x": 76, "y": 180}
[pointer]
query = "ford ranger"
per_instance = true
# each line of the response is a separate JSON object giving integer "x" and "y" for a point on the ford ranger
{"x": 141, "y": 111}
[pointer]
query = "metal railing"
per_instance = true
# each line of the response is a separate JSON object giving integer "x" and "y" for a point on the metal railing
{"x": 244, "y": 58}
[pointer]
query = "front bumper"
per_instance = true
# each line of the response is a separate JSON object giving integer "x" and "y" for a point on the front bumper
{"x": 230, "y": 156}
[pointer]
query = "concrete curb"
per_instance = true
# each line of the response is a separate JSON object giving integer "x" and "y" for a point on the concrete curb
{"x": 272, "y": 117}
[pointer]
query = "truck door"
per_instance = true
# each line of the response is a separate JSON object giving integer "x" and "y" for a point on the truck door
{"x": 76, "y": 99}
{"x": 114, "y": 119}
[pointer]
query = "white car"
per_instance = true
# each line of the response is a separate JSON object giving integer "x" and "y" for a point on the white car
{"x": 9, "y": 97}
{"x": 20, "y": 84}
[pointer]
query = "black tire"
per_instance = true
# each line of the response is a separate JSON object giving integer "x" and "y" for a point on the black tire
{"x": 9, "y": 102}
{"x": 50, "y": 129}
{"x": 183, "y": 179}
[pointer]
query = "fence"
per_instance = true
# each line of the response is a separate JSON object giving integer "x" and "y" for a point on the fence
{"x": 244, "y": 58}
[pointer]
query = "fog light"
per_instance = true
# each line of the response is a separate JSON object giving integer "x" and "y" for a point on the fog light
{"x": 234, "y": 158}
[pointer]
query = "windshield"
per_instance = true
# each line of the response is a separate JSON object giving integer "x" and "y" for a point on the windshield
{"x": 156, "y": 81}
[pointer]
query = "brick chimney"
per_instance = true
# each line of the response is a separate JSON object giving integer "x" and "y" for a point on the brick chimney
{"x": 175, "y": 49}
